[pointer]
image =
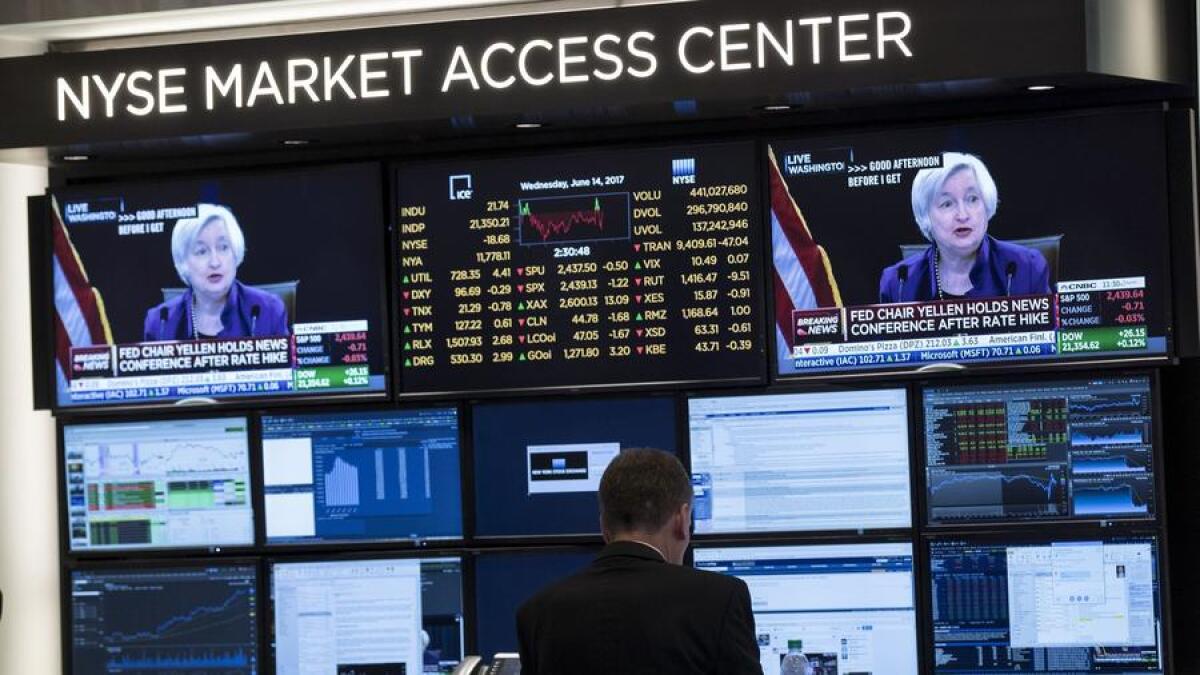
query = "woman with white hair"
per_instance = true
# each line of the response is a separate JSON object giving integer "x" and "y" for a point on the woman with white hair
{"x": 207, "y": 251}
{"x": 952, "y": 206}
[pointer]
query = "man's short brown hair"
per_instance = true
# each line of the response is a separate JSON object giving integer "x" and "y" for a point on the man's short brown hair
{"x": 641, "y": 489}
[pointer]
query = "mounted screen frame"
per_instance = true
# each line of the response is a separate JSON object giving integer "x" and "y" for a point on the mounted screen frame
{"x": 756, "y": 266}
{"x": 461, "y": 557}
{"x": 378, "y": 337}
{"x": 907, "y": 438}
{"x": 677, "y": 431}
{"x": 1045, "y": 536}
{"x": 70, "y": 567}
{"x": 1178, "y": 226}
{"x": 253, "y": 488}
{"x": 917, "y": 570}
{"x": 1157, "y": 449}
{"x": 317, "y": 546}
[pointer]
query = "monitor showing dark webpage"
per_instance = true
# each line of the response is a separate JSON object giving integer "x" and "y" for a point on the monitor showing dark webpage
{"x": 241, "y": 286}
{"x": 538, "y": 464}
{"x": 1022, "y": 240}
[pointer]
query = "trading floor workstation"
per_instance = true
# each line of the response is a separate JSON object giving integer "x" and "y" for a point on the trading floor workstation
{"x": 924, "y": 334}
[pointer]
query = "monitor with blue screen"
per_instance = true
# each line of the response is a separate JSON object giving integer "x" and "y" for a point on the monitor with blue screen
{"x": 852, "y": 606}
{"x": 800, "y": 462}
{"x": 364, "y": 476}
{"x": 505, "y": 580}
{"x": 158, "y": 484}
{"x": 538, "y": 463}
{"x": 1049, "y": 605}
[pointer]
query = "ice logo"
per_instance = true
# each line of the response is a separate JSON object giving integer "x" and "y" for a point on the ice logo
{"x": 461, "y": 187}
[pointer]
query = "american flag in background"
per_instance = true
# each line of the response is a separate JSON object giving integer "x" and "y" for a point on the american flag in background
{"x": 803, "y": 275}
{"x": 80, "y": 319}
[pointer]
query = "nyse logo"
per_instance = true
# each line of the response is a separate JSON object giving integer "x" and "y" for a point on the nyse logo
{"x": 683, "y": 171}
{"x": 461, "y": 187}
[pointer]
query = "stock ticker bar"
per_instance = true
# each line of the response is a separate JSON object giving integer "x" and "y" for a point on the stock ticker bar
{"x": 1095, "y": 317}
{"x": 596, "y": 268}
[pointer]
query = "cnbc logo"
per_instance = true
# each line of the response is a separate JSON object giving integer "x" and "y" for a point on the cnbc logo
{"x": 683, "y": 171}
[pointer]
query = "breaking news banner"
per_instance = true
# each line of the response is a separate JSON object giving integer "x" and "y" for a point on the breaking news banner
{"x": 971, "y": 244}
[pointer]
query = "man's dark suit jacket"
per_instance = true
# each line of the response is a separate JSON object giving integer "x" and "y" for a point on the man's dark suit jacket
{"x": 632, "y": 613}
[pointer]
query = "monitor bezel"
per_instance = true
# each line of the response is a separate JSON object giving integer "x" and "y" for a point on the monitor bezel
{"x": 254, "y": 481}
{"x": 369, "y": 544}
{"x": 755, "y": 175}
{"x": 1045, "y": 536}
{"x": 378, "y": 183}
{"x": 921, "y": 491}
{"x": 987, "y": 368}
{"x": 815, "y": 388}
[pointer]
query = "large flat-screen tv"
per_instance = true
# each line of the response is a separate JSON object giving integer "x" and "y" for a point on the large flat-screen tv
{"x": 158, "y": 484}
{"x": 849, "y": 608}
{"x": 1040, "y": 450}
{"x": 830, "y": 460}
{"x": 967, "y": 244}
{"x": 538, "y": 464}
{"x": 591, "y": 268}
{"x": 239, "y": 286}
{"x": 347, "y": 477}
{"x": 1022, "y": 605}
{"x": 188, "y": 617}
{"x": 368, "y": 616}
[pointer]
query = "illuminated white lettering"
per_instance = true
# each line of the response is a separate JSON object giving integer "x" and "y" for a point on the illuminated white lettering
{"x": 296, "y": 82}
{"x": 167, "y": 90}
{"x": 728, "y": 47}
{"x": 366, "y": 75}
{"x": 338, "y": 78}
{"x": 617, "y": 64}
{"x": 765, "y": 36}
{"x": 523, "y": 68}
{"x": 213, "y": 84}
{"x": 485, "y": 67}
{"x": 651, "y": 60}
{"x": 132, "y": 84}
{"x": 80, "y": 101}
{"x": 264, "y": 84}
{"x": 460, "y": 69}
{"x": 683, "y": 45}
{"x": 109, "y": 94}
{"x": 845, "y": 37}
{"x": 815, "y": 23}
{"x": 407, "y": 56}
{"x": 898, "y": 37}
{"x": 565, "y": 60}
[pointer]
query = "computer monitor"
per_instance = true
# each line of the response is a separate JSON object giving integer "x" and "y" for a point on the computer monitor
{"x": 852, "y": 606}
{"x": 363, "y": 476}
{"x": 538, "y": 463}
{"x": 505, "y": 580}
{"x": 800, "y": 462}
{"x": 1018, "y": 606}
{"x": 158, "y": 484}
{"x": 379, "y": 616}
{"x": 187, "y": 618}
{"x": 1062, "y": 449}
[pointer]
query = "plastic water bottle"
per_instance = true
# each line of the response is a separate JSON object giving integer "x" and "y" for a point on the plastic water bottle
{"x": 795, "y": 662}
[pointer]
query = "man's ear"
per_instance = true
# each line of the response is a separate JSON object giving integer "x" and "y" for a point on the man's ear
{"x": 681, "y": 522}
